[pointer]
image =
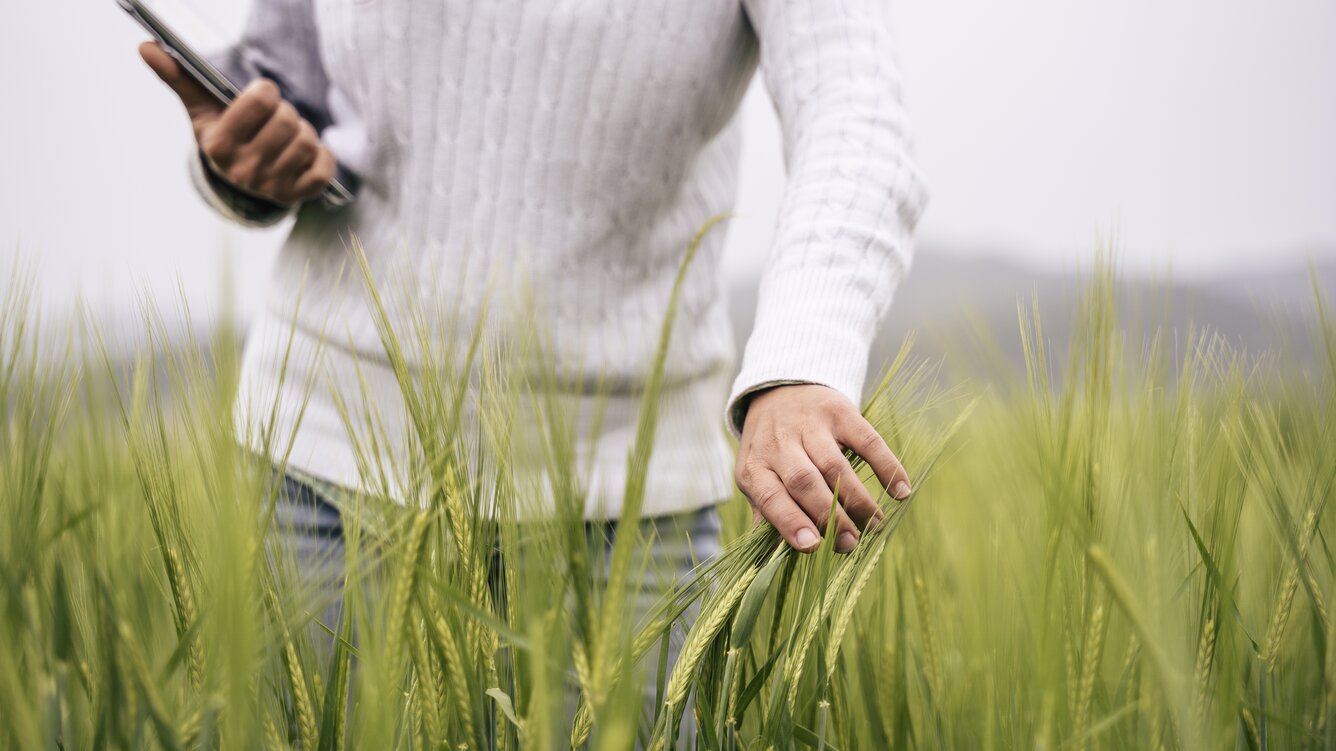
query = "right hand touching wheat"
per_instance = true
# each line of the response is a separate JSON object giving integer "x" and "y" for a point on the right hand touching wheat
{"x": 258, "y": 143}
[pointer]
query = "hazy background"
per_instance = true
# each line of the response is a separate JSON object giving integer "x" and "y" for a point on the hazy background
{"x": 1199, "y": 134}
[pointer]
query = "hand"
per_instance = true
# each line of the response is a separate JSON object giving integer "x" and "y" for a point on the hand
{"x": 792, "y": 456}
{"x": 258, "y": 143}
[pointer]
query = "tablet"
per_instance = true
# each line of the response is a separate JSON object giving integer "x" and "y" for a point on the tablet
{"x": 339, "y": 192}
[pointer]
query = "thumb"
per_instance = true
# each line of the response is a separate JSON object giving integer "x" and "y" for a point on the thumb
{"x": 199, "y": 103}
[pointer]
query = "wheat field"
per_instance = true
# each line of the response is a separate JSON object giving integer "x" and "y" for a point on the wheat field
{"x": 1126, "y": 545}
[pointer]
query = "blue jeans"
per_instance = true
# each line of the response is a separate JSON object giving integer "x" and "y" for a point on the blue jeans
{"x": 310, "y": 532}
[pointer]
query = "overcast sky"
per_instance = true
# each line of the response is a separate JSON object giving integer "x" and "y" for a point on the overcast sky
{"x": 1201, "y": 133}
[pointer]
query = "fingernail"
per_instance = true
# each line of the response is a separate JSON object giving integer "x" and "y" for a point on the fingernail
{"x": 876, "y": 521}
{"x": 846, "y": 542}
{"x": 807, "y": 539}
{"x": 901, "y": 490}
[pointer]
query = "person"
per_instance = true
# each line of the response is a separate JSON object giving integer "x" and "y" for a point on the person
{"x": 586, "y": 143}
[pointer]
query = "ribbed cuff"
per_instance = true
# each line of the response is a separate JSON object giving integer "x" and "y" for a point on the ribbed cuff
{"x": 233, "y": 204}
{"x": 804, "y": 337}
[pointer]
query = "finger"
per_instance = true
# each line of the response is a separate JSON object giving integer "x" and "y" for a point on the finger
{"x": 831, "y": 462}
{"x": 299, "y": 154}
{"x": 317, "y": 178}
{"x": 858, "y": 435}
{"x": 253, "y": 165}
{"x": 808, "y": 487}
{"x": 249, "y": 112}
{"x": 275, "y": 136}
{"x": 282, "y": 178}
{"x": 770, "y": 499}
{"x": 197, "y": 99}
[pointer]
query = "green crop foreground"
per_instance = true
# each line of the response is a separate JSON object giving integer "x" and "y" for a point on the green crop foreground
{"x": 1127, "y": 548}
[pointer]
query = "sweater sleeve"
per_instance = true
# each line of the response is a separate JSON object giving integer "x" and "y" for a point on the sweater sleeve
{"x": 853, "y": 197}
{"x": 280, "y": 42}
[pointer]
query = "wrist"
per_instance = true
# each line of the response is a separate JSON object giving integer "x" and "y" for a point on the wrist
{"x": 766, "y": 395}
{"x": 229, "y": 201}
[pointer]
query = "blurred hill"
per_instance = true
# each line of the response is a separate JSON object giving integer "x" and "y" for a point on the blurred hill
{"x": 963, "y": 309}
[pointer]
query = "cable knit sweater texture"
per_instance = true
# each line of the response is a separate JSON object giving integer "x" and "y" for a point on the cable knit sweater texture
{"x": 580, "y": 145}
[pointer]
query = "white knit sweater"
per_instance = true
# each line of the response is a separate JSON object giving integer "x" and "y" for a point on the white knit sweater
{"x": 579, "y": 145}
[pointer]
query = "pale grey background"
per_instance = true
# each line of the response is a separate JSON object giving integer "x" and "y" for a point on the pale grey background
{"x": 1198, "y": 133}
